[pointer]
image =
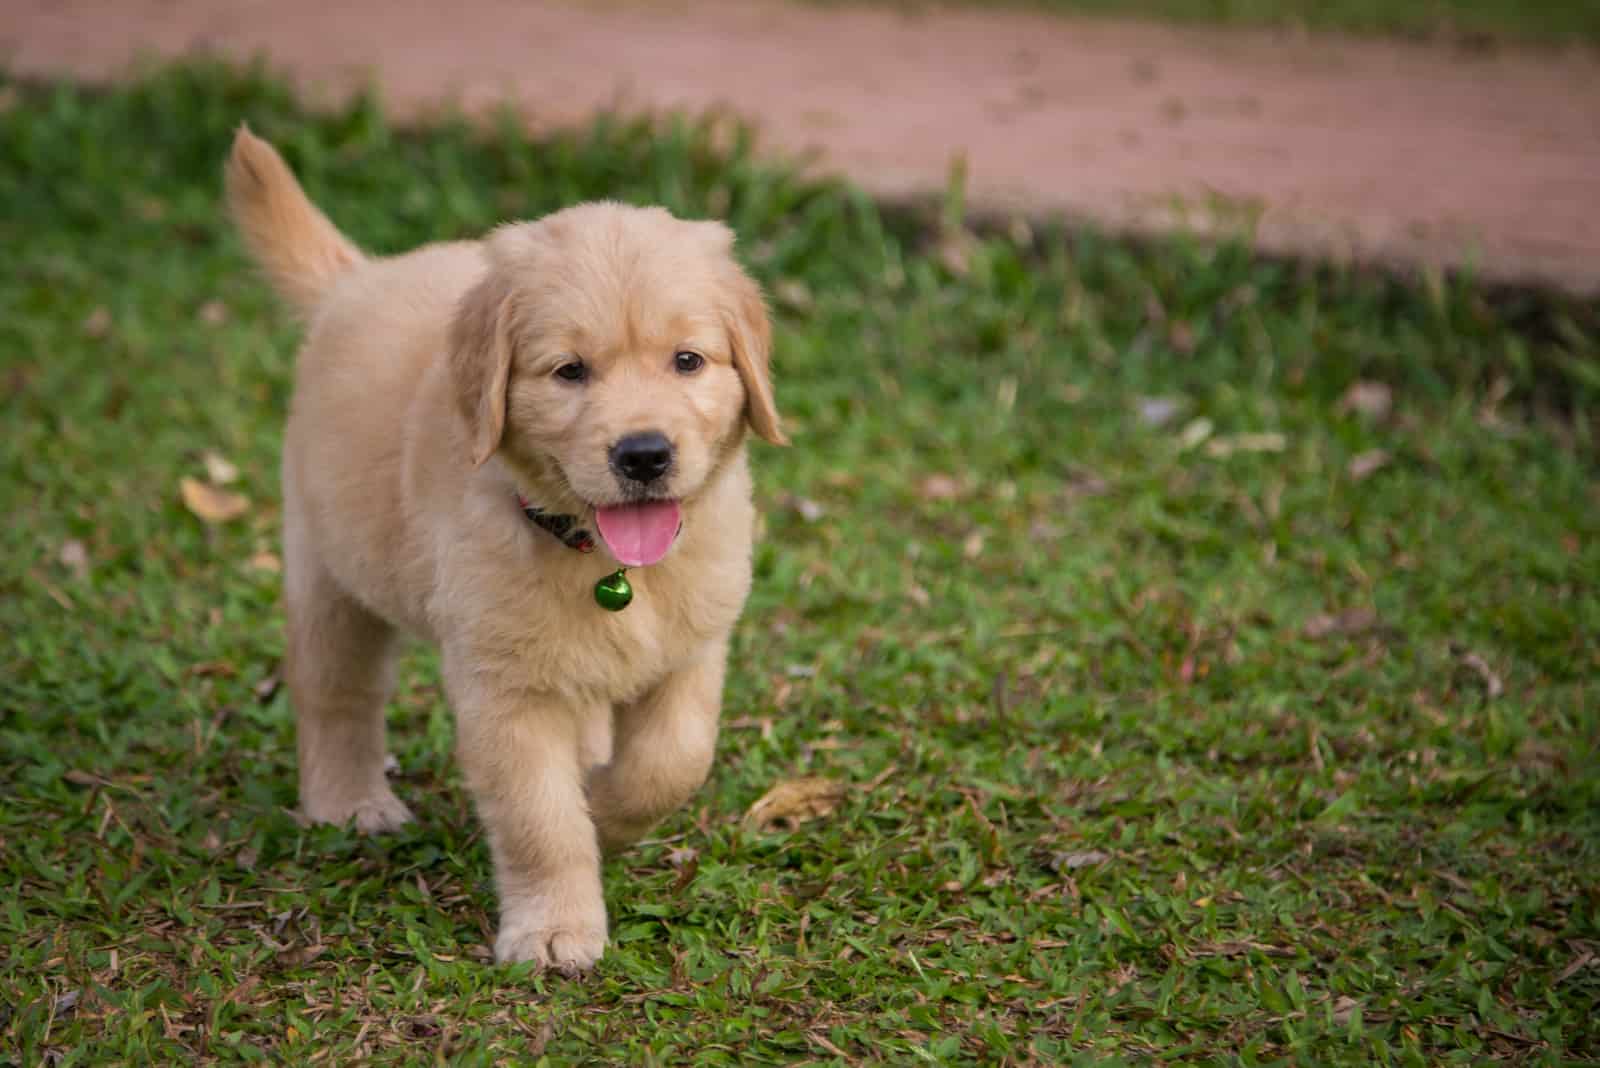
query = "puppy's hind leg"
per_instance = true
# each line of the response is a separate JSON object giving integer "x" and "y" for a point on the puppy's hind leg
{"x": 340, "y": 666}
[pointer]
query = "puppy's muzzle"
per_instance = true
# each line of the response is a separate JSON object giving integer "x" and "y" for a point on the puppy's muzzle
{"x": 643, "y": 457}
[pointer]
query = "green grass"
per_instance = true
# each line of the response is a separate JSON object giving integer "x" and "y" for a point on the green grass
{"x": 1110, "y": 800}
{"x": 1478, "y": 23}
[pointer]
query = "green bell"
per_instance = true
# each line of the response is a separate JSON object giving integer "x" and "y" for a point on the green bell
{"x": 614, "y": 592}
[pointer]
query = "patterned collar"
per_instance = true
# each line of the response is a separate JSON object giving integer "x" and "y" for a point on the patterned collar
{"x": 559, "y": 525}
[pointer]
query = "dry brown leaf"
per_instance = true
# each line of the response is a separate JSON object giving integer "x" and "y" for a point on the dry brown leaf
{"x": 1081, "y": 482}
{"x": 1365, "y": 464}
{"x": 686, "y": 862}
{"x": 1349, "y": 622}
{"x": 1372, "y": 399}
{"x": 266, "y": 561}
{"x": 793, "y": 802}
{"x": 939, "y": 488}
{"x": 1344, "y": 1008}
{"x": 808, "y": 509}
{"x": 267, "y": 686}
{"x": 537, "y": 1039}
{"x": 75, "y": 558}
{"x": 1540, "y": 757}
{"x": 1159, "y": 411}
{"x": 760, "y": 723}
{"x": 794, "y": 294}
{"x": 1196, "y": 432}
{"x": 1040, "y": 530}
{"x": 213, "y": 669}
{"x": 1576, "y": 965}
{"x": 301, "y": 956}
{"x": 98, "y": 322}
{"x": 827, "y": 1046}
{"x": 1241, "y": 948}
{"x": 1492, "y": 686}
{"x": 239, "y": 994}
{"x": 1181, "y": 336}
{"x": 210, "y": 503}
{"x": 1489, "y": 410}
{"x": 218, "y": 469}
{"x": 1074, "y": 861}
{"x": 955, "y": 248}
{"x": 66, "y": 1002}
{"x": 1268, "y": 442}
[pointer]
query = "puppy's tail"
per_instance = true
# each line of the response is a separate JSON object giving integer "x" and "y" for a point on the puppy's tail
{"x": 300, "y": 250}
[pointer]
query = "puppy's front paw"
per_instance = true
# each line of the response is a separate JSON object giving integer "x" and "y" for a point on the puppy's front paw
{"x": 568, "y": 938}
{"x": 379, "y": 813}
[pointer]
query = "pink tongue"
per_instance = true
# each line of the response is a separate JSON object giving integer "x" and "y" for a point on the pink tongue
{"x": 639, "y": 534}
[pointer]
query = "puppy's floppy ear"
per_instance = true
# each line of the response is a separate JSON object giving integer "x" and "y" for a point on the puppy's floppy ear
{"x": 480, "y": 362}
{"x": 750, "y": 331}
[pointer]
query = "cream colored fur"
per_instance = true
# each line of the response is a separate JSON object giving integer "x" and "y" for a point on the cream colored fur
{"x": 424, "y": 402}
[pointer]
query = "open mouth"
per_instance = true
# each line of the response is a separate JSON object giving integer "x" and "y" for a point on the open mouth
{"x": 639, "y": 533}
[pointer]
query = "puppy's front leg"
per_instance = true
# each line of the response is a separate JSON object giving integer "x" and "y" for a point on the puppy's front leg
{"x": 662, "y": 751}
{"x": 521, "y": 756}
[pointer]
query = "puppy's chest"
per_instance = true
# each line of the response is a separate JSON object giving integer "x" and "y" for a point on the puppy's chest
{"x": 570, "y": 643}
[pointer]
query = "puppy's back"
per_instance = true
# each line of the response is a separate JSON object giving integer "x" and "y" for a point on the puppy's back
{"x": 370, "y": 427}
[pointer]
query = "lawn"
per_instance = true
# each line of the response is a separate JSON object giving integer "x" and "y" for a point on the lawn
{"x": 1208, "y": 648}
{"x": 1473, "y": 23}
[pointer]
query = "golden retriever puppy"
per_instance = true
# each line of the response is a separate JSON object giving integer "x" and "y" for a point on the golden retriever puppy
{"x": 482, "y": 434}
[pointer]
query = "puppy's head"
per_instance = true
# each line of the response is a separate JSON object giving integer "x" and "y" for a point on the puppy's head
{"x": 613, "y": 357}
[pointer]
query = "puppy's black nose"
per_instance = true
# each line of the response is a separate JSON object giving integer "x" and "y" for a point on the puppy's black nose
{"x": 642, "y": 457}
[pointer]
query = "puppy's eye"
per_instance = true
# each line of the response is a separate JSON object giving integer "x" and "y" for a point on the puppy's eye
{"x": 572, "y": 371}
{"x": 688, "y": 363}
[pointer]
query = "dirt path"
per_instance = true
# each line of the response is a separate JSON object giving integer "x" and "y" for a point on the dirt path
{"x": 1386, "y": 151}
